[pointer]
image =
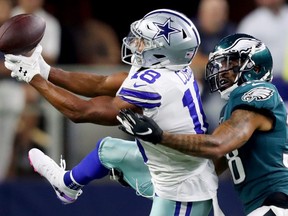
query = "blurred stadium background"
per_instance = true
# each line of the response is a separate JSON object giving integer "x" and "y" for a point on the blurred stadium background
{"x": 31, "y": 195}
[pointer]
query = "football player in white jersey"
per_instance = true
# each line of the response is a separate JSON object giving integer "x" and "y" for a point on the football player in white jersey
{"x": 159, "y": 48}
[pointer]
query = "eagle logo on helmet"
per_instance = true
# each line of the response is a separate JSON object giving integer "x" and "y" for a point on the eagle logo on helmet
{"x": 259, "y": 94}
{"x": 165, "y": 30}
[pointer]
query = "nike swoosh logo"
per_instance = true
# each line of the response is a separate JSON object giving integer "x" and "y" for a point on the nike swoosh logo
{"x": 254, "y": 84}
{"x": 149, "y": 131}
{"x": 138, "y": 85}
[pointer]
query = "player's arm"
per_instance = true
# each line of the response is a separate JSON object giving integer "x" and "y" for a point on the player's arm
{"x": 82, "y": 83}
{"x": 99, "y": 110}
{"x": 4, "y": 72}
{"x": 220, "y": 165}
{"x": 87, "y": 84}
{"x": 227, "y": 137}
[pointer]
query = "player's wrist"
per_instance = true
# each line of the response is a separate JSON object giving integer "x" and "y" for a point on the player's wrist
{"x": 44, "y": 68}
{"x": 165, "y": 137}
{"x": 36, "y": 79}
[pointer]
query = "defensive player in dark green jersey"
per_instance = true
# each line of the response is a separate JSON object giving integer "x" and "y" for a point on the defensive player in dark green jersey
{"x": 252, "y": 133}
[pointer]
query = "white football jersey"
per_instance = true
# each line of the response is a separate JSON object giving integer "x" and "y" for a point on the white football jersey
{"x": 172, "y": 99}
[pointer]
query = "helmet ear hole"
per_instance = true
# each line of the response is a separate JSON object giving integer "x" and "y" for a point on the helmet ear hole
{"x": 257, "y": 69}
{"x": 184, "y": 34}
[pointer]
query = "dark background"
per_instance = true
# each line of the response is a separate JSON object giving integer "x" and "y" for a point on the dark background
{"x": 73, "y": 12}
{"x": 119, "y": 15}
{"x": 35, "y": 197}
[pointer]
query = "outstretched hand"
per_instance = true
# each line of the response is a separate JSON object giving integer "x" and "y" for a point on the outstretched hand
{"x": 140, "y": 126}
{"x": 24, "y": 68}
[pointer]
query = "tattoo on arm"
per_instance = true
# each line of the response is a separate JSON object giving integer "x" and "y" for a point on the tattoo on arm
{"x": 227, "y": 137}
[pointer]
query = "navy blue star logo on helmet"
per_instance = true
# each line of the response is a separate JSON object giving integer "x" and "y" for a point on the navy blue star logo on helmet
{"x": 165, "y": 30}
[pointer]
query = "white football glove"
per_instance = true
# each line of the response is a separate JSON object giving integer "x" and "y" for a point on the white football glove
{"x": 22, "y": 68}
{"x": 31, "y": 65}
{"x": 44, "y": 67}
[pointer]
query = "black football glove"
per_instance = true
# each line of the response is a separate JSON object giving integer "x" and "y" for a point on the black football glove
{"x": 140, "y": 126}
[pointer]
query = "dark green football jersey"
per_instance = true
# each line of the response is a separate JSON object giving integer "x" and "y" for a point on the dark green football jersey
{"x": 260, "y": 166}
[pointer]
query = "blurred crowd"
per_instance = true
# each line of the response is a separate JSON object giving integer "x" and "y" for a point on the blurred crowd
{"x": 84, "y": 39}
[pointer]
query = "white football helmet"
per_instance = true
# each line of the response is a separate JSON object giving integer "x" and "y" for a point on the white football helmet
{"x": 167, "y": 39}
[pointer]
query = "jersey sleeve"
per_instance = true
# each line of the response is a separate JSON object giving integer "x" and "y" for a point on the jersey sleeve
{"x": 139, "y": 89}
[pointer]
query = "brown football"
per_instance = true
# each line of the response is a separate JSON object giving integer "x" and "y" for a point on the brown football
{"x": 21, "y": 33}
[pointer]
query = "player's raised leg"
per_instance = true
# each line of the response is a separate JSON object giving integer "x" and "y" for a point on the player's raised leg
{"x": 68, "y": 184}
{"x": 54, "y": 173}
{"x": 120, "y": 158}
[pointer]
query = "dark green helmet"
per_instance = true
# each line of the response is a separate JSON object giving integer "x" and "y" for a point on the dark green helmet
{"x": 253, "y": 61}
